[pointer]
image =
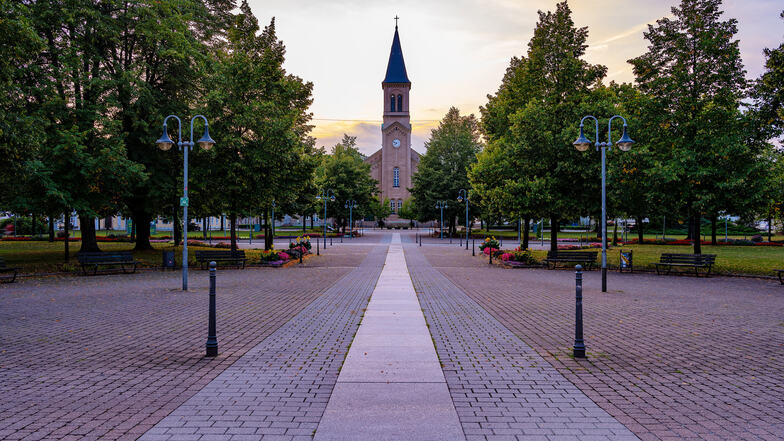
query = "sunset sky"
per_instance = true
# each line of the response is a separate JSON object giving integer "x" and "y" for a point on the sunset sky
{"x": 456, "y": 51}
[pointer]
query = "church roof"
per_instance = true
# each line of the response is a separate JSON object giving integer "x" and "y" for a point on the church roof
{"x": 396, "y": 67}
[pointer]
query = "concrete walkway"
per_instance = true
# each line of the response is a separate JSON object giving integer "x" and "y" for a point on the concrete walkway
{"x": 391, "y": 386}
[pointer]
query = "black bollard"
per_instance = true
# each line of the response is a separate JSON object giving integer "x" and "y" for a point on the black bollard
{"x": 301, "y": 252}
{"x": 212, "y": 338}
{"x": 330, "y": 240}
{"x": 490, "y": 255}
{"x": 500, "y": 242}
{"x": 317, "y": 248}
{"x": 473, "y": 247}
{"x": 579, "y": 344}
{"x": 420, "y": 240}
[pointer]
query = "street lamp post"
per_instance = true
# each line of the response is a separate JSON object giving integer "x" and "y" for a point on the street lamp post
{"x": 463, "y": 196}
{"x": 165, "y": 143}
{"x": 442, "y": 205}
{"x": 350, "y": 204}
{"x": 325, "y": 195}
{"x": 624, "y": 144}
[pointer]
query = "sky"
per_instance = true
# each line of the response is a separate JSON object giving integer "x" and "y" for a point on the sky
{"x": 456, "y": 51}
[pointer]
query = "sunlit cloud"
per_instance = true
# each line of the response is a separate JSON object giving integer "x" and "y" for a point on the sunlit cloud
{"x": 457, "y": 51}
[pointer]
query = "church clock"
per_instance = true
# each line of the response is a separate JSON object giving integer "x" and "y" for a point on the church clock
{"x": 396, "y": 143}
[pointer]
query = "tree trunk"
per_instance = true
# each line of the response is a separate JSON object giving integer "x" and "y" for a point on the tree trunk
{"x": 34, "y": 225}
{"x": 304, "y": 222}
{"x": 67, "y": 227}
{"x": 714, "y": 221}
{"x": 223, "y": 227}
{"x": 204, "y": 228}
{"x": 526, "y": 232}
{"x": 233, "y": 227}
{"x": 51, "y": 228}
{"x": 176, "y": 228}
{"x": 142, "y": 234}
{"x": 640, "y": 232}
{"x": 554, "y": 234}
{"x": 695, "y": 220}
{"x": 312, "y": 217}
{"x": 267, "y": 231}
{"x": 770, "y": 222}
{"x": 615, "y": 233}
{"x": 89, "y": 241}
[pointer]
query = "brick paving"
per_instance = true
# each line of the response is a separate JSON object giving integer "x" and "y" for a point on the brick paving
{"x": 280, "y": 388}
{"x": 108, "y": 357}
{"x": 671, "y": 357}
{"x": 502, "y": 389}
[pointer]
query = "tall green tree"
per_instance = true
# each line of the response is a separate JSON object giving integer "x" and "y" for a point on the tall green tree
{"x": 346, "y": 173}
{"x": 260, "y": 113}
{"x": 532, "y": 121}
{"x": 443, "y": 169}
{"x": 693, "y": 72}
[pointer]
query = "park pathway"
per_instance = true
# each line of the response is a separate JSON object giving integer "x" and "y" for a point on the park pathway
{"x": 391, "y": 386}
{"x": 279, "y": 389}
{"x": 502, "y": 389}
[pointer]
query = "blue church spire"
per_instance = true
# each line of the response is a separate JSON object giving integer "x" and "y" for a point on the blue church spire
{"x": 396, "y": 67}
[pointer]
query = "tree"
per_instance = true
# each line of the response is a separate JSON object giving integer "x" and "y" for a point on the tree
{"x": 348, "y": 176}
{"x": 532, "y": 121}
{"x": 380, "y": 210}
{"x": 260, "y": 112}
{"x": 694, "y": 74}
{"x": 443, "y": 169}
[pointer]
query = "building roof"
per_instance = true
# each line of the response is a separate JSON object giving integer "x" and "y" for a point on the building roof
{"x": 396, "y": 67}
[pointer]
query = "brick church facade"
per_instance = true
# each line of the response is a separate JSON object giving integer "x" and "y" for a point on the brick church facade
{"x": 394, "y": 164}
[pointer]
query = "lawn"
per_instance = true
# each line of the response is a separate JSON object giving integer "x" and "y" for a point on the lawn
{"x": 756, "y": 260}
{"x": 47, "y": 257}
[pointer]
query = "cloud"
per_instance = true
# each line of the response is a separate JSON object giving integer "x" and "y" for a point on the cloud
{"x": 329, "y": 132}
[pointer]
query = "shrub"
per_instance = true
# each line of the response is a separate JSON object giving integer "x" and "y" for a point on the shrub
{"x": 490, "y": 242}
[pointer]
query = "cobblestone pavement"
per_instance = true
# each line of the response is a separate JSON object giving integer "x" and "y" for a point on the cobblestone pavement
{"x": 671, "y": 357}
{"x": 110, "y": 356}
{"x": 502, "y": 389}
{"x": 280, "y": 388}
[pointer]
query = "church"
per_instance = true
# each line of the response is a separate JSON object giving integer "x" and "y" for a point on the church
{"x": 394, "y": 164}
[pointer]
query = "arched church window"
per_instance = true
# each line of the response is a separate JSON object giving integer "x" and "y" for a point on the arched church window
{"x": 400, "y": 103}
{"x": 392, "y": 102}
{"x": 396, "y": 177}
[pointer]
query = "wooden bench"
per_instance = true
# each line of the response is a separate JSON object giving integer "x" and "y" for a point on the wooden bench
{"x": 696, "y": 261}
{"x": 8, "y": 269}
{"x": 107, "y": 258}
{"x": 229, "y": 257}
{"x": 587, "y": 258}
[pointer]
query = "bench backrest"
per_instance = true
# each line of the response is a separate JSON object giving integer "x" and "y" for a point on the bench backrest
{"x": 204, "y": 255}
{"x": 696, "y": 259}
{"x": 570, "y": 254}
{"x": 108, "y": 256}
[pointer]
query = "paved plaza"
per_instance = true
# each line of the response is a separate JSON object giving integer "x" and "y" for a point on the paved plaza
{"x": 379, "y": 338}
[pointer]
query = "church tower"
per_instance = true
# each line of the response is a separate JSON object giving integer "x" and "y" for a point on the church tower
{"x": 394, "y": 164}
{"x": 396, "y": 129}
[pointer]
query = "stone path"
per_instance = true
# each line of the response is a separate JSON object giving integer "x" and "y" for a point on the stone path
{"x": 280, "y": 388}
{"x": 503, "y": 389}
{"x": 391, "y": 386}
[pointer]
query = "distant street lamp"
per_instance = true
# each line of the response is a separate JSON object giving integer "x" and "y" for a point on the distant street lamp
{"x": 624, "y": 144}
{"x": 463, "y": 196}
{"x": 165, "y": 143}
{"x": 441, "y": 205}
{"x": 324, "y": 195}
{"x": 350, "y": 204}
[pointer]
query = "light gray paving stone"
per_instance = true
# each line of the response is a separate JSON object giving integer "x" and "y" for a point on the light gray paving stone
{"x": 391, "y": 389}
